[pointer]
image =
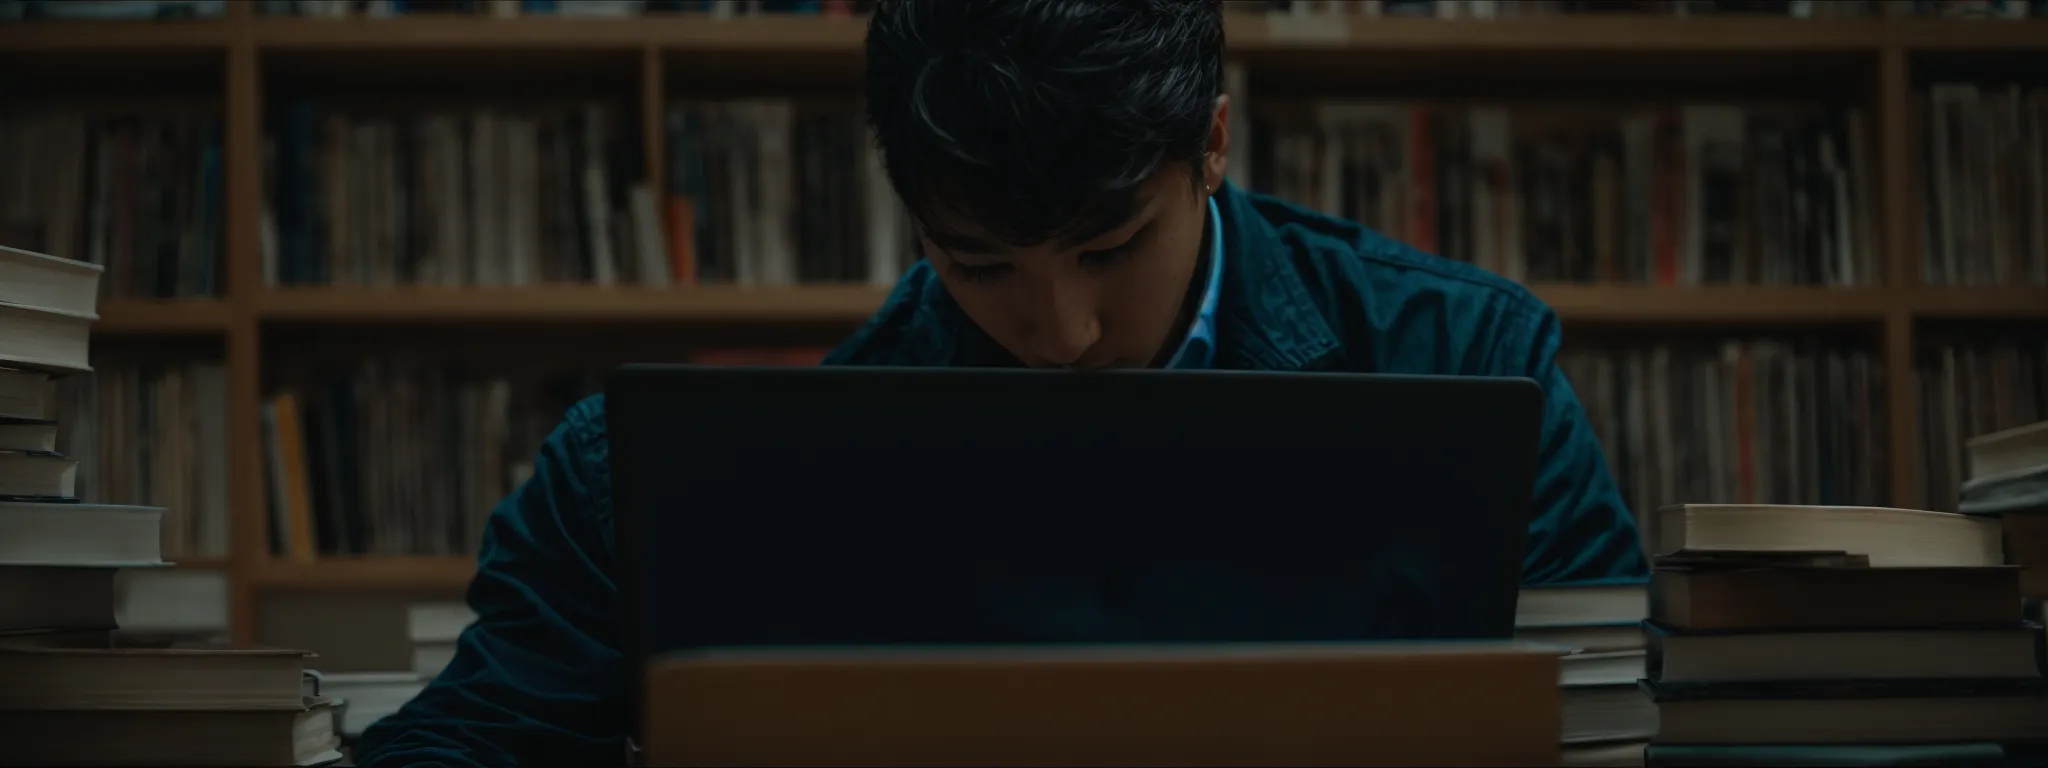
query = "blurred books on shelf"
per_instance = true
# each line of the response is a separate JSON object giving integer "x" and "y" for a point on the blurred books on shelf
{"x": 1782, "y": 634}
{"x": 1706, "y": 194}
{"x": 136, "y": 191}
{"x": 1985, "y": 184}
{"x": 1972, "y": 383}
{"x": 111, "y": 10}
{"x": 408, "y": 458}
{"x": 1310, "y": 9}
{"x": 1742, "y": 420}
{"x": 757, "y": 193}
{"x": 154, "y": 434}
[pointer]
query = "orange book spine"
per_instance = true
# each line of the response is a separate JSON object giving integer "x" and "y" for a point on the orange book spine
{"x": 298, "y": 492}
{"x": 682, "y": 238}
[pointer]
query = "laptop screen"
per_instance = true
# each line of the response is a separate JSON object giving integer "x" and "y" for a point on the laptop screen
{"x": 855, "y": 506}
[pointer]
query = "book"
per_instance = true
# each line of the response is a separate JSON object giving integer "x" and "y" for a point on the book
{"x": 301, "y": 736}
{"x": 28, "y": 436}
{"x": 129, "y": 678}
{"x": 45, "y": 598}
{"x": 1959, "y": 653}
{"x": 1851, "y": 712}
{"x": 45, "y": 339}
{"x": 2012, "y": 450}
{"x": 26, "y": 396}
{"x": 1889, "y": 537}
{"x": 1590, "y": 603}
{"x": 1823, "y": 755}
{"x": 80, "y": 534}
{"x": 1792, "y": 598}
{"x": 31, "y": 279}
{"x": 37, "y": 475}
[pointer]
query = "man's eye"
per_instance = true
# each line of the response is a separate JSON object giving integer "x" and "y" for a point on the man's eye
{"x": 973, "y": 273}
{"x": 1105, "y": 258}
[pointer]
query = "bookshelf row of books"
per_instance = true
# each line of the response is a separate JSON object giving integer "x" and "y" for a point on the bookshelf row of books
{"x": 1673, "y": 196}
{"x": 1986, "y": 184}
{"x": 1740, "y": 421}
{"x": 400, "y": 459}
{"x": 484, "y": 198}
{"x": 1974, "y": 388}
{"x": 581, "y": 9}
{"x": 153, "y": 435}
{"x": 771, "y": 192}
{"x": 759, "y": 193}
{"x": 1445, "y": 9}
{"x": 138, "y": 193}
{"x": 1798, "y": 9}
{"x": 407, "y": 456}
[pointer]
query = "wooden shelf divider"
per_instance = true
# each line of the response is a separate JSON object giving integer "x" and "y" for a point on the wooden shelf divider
{"x": 407, "y": 574}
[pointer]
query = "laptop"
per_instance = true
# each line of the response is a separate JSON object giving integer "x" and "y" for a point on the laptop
{"x": 858, "y": 506}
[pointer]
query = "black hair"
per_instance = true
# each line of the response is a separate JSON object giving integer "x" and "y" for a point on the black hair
{"x": 1039, "y": 119}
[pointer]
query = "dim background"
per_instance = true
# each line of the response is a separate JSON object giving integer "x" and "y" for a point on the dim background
{"x": 361, "y": 255}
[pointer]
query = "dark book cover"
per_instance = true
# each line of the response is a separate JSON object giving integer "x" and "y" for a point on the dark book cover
{"x": 1663, "y": 692}
{"x": 1821, "y": 755}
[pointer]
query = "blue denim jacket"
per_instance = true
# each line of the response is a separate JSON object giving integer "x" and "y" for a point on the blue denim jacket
{"x": 539, "y": 679}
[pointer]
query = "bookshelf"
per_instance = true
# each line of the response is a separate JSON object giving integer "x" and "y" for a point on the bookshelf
{"x": 237, "y": 59}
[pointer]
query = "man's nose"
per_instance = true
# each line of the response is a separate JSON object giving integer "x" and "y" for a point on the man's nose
{"x": 1068, "y": 330}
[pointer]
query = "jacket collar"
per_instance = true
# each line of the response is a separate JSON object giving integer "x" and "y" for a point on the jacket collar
{"x": 1265, "y": 318}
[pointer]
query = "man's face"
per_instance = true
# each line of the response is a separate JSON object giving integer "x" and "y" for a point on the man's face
{"x": 1114, "y": 300}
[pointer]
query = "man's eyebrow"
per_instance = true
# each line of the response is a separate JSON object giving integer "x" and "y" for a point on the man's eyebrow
{"x": 954, "y": 242}
{"x": 1100, "y": 222}
{"x": 1106, "y": 221}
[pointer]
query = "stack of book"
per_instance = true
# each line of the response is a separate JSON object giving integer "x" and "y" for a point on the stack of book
{"x": 75, "y": 691}
{"x": 2008, "y": 481}
{"x": 1812, "y": 635}
{"x": 1606, "y": 721}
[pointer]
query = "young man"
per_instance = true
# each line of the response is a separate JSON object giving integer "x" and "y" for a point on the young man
{"x": 1064, "y": 161}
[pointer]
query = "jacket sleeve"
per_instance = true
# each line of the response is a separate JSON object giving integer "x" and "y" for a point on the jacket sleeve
{"x": 1580, "y": 529}
{"x": 536, "y": 680}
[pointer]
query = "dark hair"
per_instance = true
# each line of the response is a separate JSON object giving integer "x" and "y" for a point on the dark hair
{"x": 1039, "y": 119}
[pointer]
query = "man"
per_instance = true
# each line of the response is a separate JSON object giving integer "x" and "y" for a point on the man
{"x": 1064, "y": 161}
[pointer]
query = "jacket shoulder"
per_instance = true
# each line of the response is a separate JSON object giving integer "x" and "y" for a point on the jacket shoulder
{"x": 583, "y": 440}
{"x": 1384, "y": 295}
{"x": 898, "y": 333}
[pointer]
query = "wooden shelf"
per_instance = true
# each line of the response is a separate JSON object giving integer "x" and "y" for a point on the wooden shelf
{"x": 1248, "y": 33}
{"x": 435, "y": 574}
{"x": 1980, "y": 303}
{"x": 202, "y": 563}
{"x": 114, "y": 36}
{"x": 1259, "y": 33}
{"x": 751, "y": 34}
{"x": 141, "y": 317}
{"x": 849, "y": 304}
{"x": 1714, "y": 305}
{"x": 1985, "y": 35}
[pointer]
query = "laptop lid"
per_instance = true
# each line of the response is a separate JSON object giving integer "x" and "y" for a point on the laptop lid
{"x": 848, "y": 506}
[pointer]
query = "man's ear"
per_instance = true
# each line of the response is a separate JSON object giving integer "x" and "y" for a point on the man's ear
{"x": 1217, "y": 156}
